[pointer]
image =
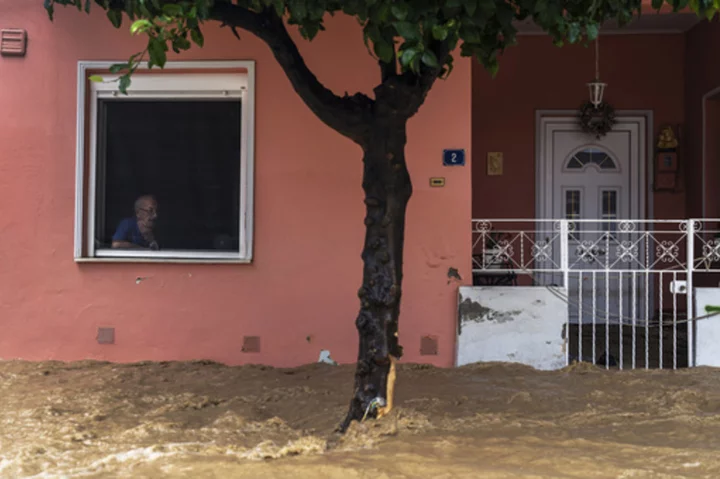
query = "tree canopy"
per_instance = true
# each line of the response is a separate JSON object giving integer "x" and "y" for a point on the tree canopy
{"x": 414, "y": 35}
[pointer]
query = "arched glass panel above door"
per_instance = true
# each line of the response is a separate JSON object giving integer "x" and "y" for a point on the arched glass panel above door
{"x": 591, "y": 156}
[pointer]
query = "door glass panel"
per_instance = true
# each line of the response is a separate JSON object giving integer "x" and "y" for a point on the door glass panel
{"x": 609, "y": 209}
{"x": 591, "y": 156}
{"x": 572, "y": 210}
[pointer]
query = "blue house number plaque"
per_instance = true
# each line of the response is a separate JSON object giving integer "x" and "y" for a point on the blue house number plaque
{"x": 453, "y": 157}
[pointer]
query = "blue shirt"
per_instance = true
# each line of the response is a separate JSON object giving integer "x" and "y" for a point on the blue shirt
{"x": 128, "y": 230}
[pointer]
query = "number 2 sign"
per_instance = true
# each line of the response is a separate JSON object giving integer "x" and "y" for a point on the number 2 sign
{"x": 453, "y": 157}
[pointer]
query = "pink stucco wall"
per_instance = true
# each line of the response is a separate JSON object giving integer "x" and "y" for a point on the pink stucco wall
{"x": 308, "y": 215}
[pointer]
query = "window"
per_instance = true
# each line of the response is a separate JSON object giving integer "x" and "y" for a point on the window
{"x": 170, "y": 168}
{"x": 591, "y": 156}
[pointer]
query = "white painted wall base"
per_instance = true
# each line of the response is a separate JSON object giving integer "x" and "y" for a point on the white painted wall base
{"x": 513, "y": 324}
{"x": 707, "y": 343}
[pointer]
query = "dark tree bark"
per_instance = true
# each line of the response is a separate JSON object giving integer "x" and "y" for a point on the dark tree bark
{"x": 387, "y": 187}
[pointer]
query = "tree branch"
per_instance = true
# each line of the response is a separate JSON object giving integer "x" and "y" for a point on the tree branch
{"x": 426, "y": 79}
{"x": 404, "y": 94}
{"x": 349, "y": 115}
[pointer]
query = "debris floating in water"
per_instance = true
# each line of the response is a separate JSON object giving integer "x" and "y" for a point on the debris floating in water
{"x": 325, "y": 358}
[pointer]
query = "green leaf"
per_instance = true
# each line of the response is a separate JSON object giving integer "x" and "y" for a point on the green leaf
{"x": 493, "y": 67}
{"x": 123, "y": 84}
{"x": 382, "y": 13}
{"x": 140, "y": 26}
{"x": 118, "y": 67}
{"x": 157, "y": 49}
{"x": 429, "y": 59}
{"x": 407, "y": 56}
{"x": 298, "y": 9}
{"x": 130, "y": 9}
{"x": 400, "y": 11}
{"x": 452, "y": 40}
{"x": 145, "y": 11}
{"x": 172, "y": 10}
{"x": 656, "y": 4}
{"x": 115, "y": 17}
{"x": 592, "y": 30}
{"x": 712, "y": 309}
{"x": 439, "y": 32}
{"x": 197, "y": 37}
{"x": 415, "y": 64}
{"x": 279, "y": 7}
{"x": 384, "y": 51}
{"x": 203, "y": 7}
{"x": 180, "y": 43}
{"x": 407, "y": 30}
{"x": 50, "y": 9}
{"x": 470, "y": 6}
{"x": 96, "y": 78}
{"x": 541, "y": 6}
{"x": 573, "y": 32}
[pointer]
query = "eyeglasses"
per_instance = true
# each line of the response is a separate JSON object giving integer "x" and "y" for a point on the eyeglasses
{"x": 150, "y": 211}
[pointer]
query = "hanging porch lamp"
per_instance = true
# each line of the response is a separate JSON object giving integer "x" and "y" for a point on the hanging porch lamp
{"x": 596, "y": 87}
{"x": 597, "y": 117}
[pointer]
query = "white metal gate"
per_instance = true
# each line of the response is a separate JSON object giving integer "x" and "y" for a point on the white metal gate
{"x": 628, "y": 283}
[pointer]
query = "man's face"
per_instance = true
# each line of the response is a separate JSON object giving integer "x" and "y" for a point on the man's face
{"x": 147, "y": 212}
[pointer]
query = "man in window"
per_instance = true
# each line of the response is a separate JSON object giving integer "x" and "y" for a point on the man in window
{"x": 138, "y": 232}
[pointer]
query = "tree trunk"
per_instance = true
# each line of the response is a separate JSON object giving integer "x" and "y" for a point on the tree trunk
{"x": 387, "y": 187}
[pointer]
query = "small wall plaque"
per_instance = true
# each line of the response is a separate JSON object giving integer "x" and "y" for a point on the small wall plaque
{"x": 453, "y": 157}
{"x": 494, "y": 163}
{"x": 437, "y": 182}
{"x": 13, "y": 42}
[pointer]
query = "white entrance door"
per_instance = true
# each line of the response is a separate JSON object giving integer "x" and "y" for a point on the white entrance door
{"x": 599, "y": 181}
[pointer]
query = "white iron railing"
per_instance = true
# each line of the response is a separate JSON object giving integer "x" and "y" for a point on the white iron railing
{"x": 626, "y": 282}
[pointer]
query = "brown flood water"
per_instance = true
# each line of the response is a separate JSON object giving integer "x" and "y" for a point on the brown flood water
{"x": 205, "y": 420}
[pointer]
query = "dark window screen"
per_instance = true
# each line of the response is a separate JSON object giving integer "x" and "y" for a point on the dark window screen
{"x": 185, "y": 153}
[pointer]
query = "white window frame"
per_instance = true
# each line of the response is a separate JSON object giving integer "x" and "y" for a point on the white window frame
{"x": 239, "y": 83}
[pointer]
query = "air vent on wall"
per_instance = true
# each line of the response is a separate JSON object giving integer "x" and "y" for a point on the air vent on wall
{"x": 13, "y": 42}
{"x": 251, "y": 344}
{"x": 106, "y": 335}
{"x": 429, "y": 346}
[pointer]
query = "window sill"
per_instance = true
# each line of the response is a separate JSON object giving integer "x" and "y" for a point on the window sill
{"x": 115, "y": 256}
{"x": 164, "y": 260}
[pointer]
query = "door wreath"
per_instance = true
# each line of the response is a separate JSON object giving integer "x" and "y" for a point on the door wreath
{"x": 597, "y": 121}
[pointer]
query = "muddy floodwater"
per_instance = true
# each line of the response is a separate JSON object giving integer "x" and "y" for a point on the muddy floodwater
{"x": 206, "y": 420}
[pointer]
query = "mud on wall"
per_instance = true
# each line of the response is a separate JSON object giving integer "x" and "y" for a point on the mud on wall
{"x": 514, "y": 324}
